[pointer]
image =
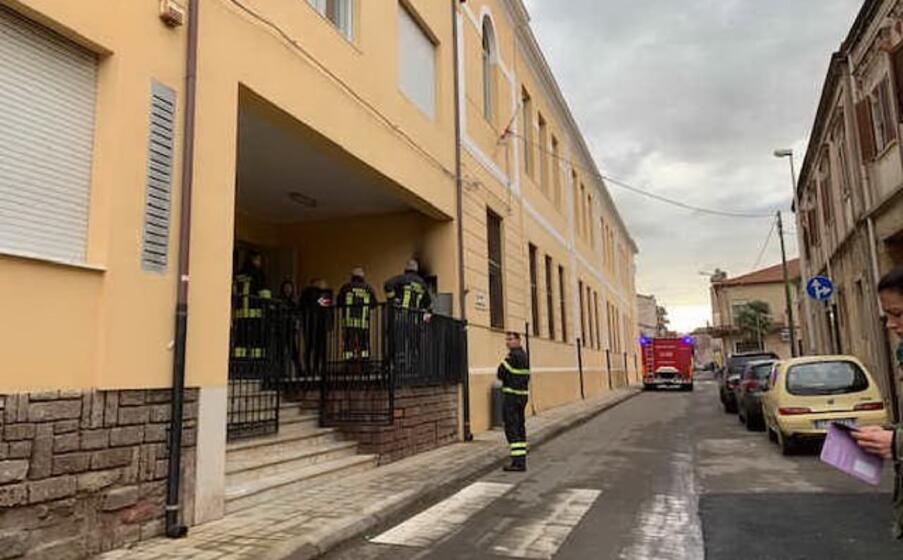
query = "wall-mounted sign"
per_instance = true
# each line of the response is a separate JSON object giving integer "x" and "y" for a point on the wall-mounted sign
{"x": 479, "y": 301}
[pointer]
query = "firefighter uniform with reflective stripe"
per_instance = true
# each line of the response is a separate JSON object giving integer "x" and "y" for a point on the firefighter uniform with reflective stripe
{"x": 249, "y": 292}
{"x": 356, "y": 301}
{"x": 408, "y": 291}
{"x": 514, "y": 373}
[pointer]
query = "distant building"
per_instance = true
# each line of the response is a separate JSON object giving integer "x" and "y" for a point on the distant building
{"x": 647, "y": 315}
{"x": 730, "y": 295}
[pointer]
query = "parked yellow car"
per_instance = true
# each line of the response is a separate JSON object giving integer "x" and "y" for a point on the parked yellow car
{"x": 804, "y": 395}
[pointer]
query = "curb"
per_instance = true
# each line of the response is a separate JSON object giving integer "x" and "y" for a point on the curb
{"x": 319, "y": 543}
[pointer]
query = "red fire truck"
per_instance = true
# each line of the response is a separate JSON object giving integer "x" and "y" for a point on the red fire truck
{"x": 668, "y": 362}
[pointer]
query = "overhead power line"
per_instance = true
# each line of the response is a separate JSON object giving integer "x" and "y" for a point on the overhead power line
{"x": 636, "y": 190}
{"x": 764, "y": 246}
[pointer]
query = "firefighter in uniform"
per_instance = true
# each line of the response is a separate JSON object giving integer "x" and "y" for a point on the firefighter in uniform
{"x": 410, "y": 305}
{"x": 316, "y": 307}
{"x": 249, "y": 295}
{"x": 356, "y": 300}
{"x": 514, "y": 373}
{"x": 408, "y": 290}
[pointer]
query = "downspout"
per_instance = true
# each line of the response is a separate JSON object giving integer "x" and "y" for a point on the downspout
{"x": 459, "y": 215}
{"x": 175, "y": 529}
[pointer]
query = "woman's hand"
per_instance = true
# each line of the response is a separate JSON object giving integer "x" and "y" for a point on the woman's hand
{"x": 875, "y": 440}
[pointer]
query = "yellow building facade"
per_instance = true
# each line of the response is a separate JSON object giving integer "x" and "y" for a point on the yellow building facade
{"x": 325, "y": 139}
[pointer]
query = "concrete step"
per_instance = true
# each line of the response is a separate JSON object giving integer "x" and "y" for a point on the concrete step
{"x": 266, "y": 462}
{"x": 300, "y": 422}
{"x": 264, "y": 447}
{"x": 258, "y": 490}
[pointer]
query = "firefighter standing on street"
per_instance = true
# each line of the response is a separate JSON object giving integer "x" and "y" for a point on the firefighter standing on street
{"x": 514, "y": 373}
{"x": 356, "y": 301}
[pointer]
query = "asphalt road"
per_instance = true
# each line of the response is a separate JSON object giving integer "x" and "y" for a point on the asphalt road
{"x": 666, "y": 475}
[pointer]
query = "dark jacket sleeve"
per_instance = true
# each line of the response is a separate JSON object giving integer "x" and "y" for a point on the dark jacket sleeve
{"x": 502, "y": 373}
{"x": 427, "y": 299}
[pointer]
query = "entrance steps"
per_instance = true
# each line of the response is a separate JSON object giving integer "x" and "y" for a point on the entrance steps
{"x": 300, "y": 455}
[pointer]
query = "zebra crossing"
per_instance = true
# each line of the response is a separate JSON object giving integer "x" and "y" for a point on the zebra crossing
{"x": 539, "y": 535}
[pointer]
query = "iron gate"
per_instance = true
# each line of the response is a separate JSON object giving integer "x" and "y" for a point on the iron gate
{"x": 353, "y": 357}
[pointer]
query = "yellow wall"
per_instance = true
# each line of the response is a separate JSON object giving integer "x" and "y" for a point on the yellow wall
{"x": 110, "y": 324}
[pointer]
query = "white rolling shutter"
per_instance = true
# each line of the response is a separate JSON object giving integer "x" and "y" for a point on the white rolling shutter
{"x": 47, "y": 99}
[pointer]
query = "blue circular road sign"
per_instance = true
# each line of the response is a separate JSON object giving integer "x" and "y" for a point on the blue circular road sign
{"x": 820, "y": 288}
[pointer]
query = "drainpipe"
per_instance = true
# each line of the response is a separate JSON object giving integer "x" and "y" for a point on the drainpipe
{"x": 459, "y": 215}
{"x": 175, "y": 529}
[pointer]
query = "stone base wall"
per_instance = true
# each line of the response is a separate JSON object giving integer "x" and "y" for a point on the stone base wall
{"x": 85, "y": 472}
{"x": 425, "y": 418}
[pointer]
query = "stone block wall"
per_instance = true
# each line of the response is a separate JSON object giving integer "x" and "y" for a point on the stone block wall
{"x": 85, "y": 472}
{"x": 425, "y": 418}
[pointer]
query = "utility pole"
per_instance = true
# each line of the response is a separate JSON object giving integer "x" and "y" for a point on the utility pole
{"x": 787, "y": 293}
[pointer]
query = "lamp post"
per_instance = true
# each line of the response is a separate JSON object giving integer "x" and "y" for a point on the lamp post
{"x": 804, "y": 265}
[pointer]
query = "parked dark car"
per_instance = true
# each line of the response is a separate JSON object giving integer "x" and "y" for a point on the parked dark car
{"x": 748, "y": 393}
{"x": 730, "y": 376}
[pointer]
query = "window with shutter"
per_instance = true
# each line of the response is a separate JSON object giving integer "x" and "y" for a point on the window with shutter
{"x": 158, "y": 194}
{"x": 866, "y": 130}
{"x": 46, "y": 141}
{"x": 550, "y": 301}
{"x": 827, "y": 189}
{"x": 534, "y": 291}
{"x": 496, "y": 287}
{"x": 582, "y": 313}
{"x": 887, "y": 118}
{"x": 562, "y": 302}
{"x": 896, "y": 60}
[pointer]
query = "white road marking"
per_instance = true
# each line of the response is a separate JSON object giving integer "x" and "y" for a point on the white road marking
{"x": 541, "y": 538}
{"x": 444, "y": 518}
{"x": 668, "y": 527}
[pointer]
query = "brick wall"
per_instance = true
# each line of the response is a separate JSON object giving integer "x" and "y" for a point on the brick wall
{"x": 85, "y": 472}
{"x": 425, "y": 418}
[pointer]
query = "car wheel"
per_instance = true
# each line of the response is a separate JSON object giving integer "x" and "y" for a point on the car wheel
{"x": 771, "y": 434}
{"x": 786, "y": 443}
{"x": 647, "y": 387}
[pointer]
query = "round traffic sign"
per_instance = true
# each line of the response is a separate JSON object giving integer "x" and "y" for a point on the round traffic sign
{"x": 820, "y": 288}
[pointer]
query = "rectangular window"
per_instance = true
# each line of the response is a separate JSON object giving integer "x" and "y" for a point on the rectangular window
{"x": 597, "y": 321}
{"x": 556, "y": 173}
{"x": 534, "y": 291}
{"x": 604, "y": 242}
{"x": 563, "y": 304}
{"x": 589, "y": 318}
{"x": 543, "y": 154}
{"x": 581, "y": 225}
{"x": 416, "y": 63}
{"x": 527, "y": 118}
{"x": 591, "y": 233}
{"x": 339, "y": 12}
{"x": 890, "y": 126}
{"x": 582, "y": 313}
{"x": 496, "y": 286}
{"x": 49, "y": 87}
{"x": 827, "y": 192}
{"x": 550, "y": 300}
{"x": 575, "y": 189}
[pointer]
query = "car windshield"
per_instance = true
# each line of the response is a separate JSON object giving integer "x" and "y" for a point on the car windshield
{"x": 826, "y": 378}
{"x": 738, "y": 363}
{"x": 759, "y": 371}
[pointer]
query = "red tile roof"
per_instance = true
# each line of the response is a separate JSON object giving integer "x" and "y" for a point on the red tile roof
{"x": 771, "y": 275}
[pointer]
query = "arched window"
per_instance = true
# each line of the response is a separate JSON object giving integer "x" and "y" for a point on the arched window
{"x": 488, "y": 69}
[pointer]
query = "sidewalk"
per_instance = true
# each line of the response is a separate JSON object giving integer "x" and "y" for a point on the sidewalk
{"x": 306, "y": 524}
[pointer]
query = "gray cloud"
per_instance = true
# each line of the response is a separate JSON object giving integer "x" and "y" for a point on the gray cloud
{"x": 689, "y": 99}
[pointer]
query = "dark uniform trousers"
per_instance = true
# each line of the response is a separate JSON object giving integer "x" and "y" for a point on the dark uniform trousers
{"x": 514, "y": 373}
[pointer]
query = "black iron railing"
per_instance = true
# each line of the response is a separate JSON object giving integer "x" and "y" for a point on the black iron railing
{"x": 355, "y": 357}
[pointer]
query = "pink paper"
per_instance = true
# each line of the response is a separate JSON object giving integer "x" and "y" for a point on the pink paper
{"x": 843, "y": 453}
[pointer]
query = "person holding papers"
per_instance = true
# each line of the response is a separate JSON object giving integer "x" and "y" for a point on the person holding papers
{"x": 888, "y": 442}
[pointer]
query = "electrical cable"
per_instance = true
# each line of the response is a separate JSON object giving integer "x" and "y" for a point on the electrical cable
{"x": 636, "y": 190}
{"x": 764, "y": 246}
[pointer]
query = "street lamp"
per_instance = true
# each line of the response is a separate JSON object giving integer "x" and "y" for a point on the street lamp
{"x": 788, "y": 153}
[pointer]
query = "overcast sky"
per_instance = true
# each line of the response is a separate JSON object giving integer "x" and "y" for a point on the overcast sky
{"x": 689, "y": 99}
